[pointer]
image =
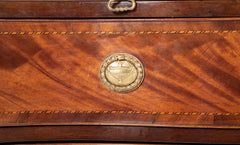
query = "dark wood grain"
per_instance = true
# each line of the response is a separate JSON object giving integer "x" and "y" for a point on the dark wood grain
{"x": 98, "y": 9}
{"x": 134, "y": 118}
{"x": 120, "y": 133}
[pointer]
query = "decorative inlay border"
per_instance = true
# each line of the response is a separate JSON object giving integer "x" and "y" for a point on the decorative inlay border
{"x": 119, "y": 32}
{"x": 117, "y": 112}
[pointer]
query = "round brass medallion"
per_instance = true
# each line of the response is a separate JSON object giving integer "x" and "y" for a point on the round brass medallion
{"x": 121, "y": 72}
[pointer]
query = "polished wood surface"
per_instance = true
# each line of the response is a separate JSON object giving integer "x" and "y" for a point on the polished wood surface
{"x": 120, "y": 133}
{"x": 98, "y": 9}
{"x": 50, "y": 80}
{"x": 191, "y": 67}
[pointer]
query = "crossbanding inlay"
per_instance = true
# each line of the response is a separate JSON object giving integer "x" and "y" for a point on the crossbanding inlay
{"x": 124, "y": 32}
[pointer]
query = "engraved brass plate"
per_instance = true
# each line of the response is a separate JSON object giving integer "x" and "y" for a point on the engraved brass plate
{"x": 121, "y": 72}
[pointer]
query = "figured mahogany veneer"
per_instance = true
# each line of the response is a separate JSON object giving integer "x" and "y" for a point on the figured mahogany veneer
{"x": 49, "y": 75}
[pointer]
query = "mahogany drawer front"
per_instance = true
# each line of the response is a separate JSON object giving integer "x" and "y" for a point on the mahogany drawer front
{"x": 98, "y": 9}
{"x": 50, "y": 75}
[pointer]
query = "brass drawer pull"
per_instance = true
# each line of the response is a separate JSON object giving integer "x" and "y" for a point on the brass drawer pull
{"x": 121, "y": 9}
{"x": 121, "y": 72}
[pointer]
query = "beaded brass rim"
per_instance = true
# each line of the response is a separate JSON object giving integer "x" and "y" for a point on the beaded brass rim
{"x": 121, "y": 72}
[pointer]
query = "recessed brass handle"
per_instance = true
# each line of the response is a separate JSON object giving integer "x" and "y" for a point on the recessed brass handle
{"x": 121, "y": 9}
{"x": 121, "y": 72}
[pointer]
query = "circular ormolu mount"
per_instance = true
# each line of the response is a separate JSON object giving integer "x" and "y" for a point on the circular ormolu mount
{"x": 121, "y": 72}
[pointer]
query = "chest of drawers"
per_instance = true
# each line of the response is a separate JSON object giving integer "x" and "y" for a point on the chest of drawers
{"x": 164, "y": 72}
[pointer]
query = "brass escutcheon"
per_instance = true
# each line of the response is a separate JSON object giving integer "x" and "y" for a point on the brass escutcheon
{"x": 121, "y": 72}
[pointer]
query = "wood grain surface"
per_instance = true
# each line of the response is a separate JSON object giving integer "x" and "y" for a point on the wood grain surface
{"x": 49, "y": 75}
{"x": 191, "y": 67}
{"x": 119, "y": 133}
{"x": 98, "y": 9}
